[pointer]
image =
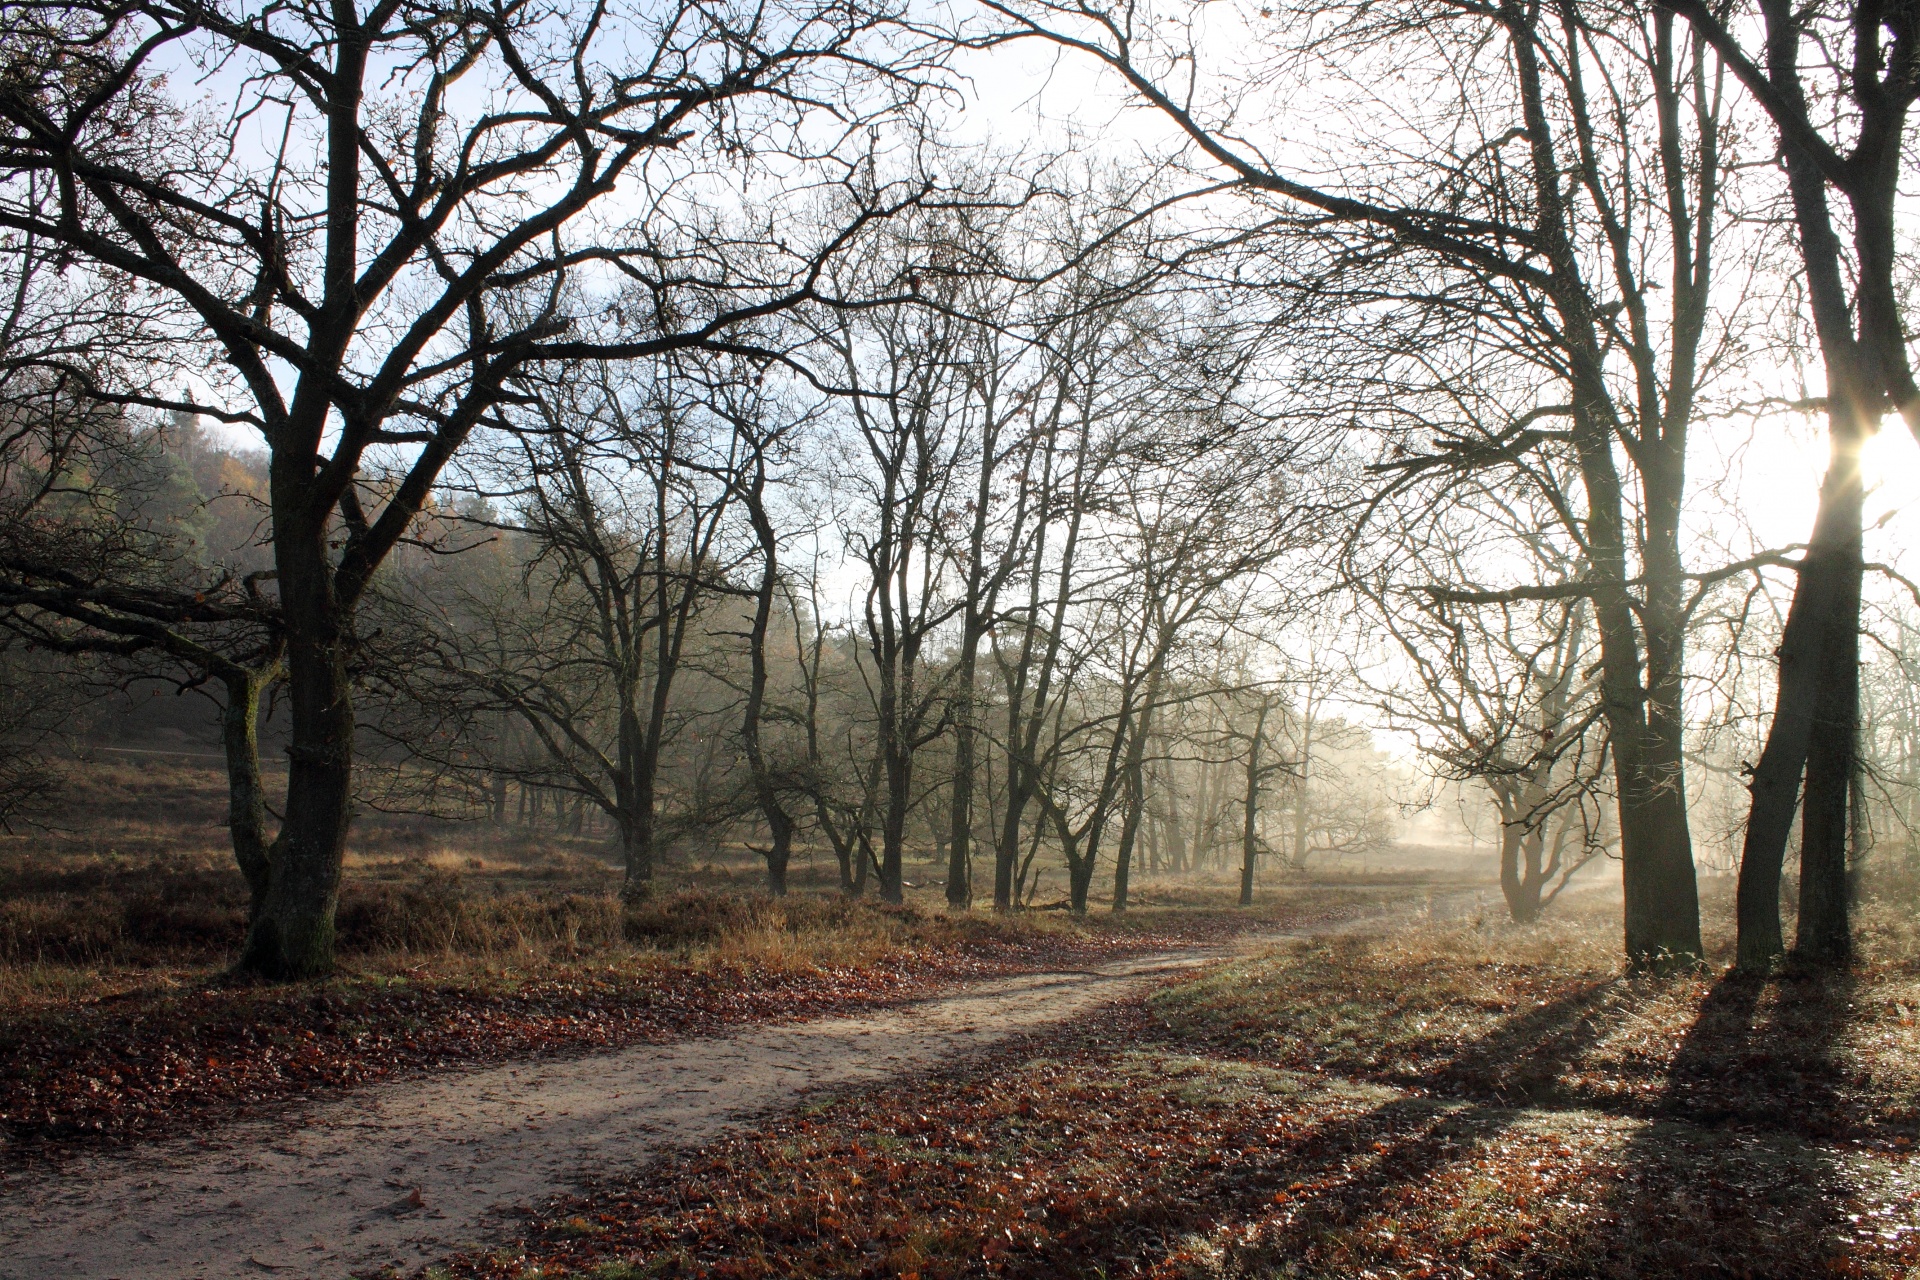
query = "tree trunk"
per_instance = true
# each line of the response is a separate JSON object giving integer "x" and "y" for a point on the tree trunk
{"x": 1862, "y": 343}
{"x": 246, "y": 796}
{"x": 1250, "y": 825}
{"x": 1133, "y": 786}
{"x": 1818, "y": 616}
{"x": 1639, "y": 690}
{"x": 1079, "y": 881}
{"x": 1302, "y": 813}
{"x": 1824, "y": 934}
{"x": 842, "y": 846}
{"x": 1521, "y": 874}
{"x": 1176, "y": 835}
{"x": 766, "y": 795}
{"x": 1006, "y": 853}
{"x": 637, "y": 834}
{"x": 893, "y": 832}
{"x": 960, "y": 837}
{"x": 292, "y": 932}
{"x": 779, "y": 853}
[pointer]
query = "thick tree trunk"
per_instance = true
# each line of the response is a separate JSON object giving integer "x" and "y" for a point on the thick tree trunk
{"x": 844, "y": 854}
{"x": 1079, "y": 881}
{"x": 1639, "y": 690}
{"x": 1863, "y": 345}
{"x": 292, "y": 932}
{"x": 1512, "y": 882}
{"x": 637, "y": 837}
{"x": 1662, "y": 903}
{"x": 1823, "y": 611}
{"x": 1521, "y": 877}
{"x": 635, "y": 823}
{"x": 1824, "y": 934}
{"x": 779, "y": 851}
{"x": 1669, "y": 871}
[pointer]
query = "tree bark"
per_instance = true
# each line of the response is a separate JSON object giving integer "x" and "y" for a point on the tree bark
{"x": 246, "y": 796}
{"x": 1250, "y": 824}
{"x": 1824, "y": 935}
{"x": 292, "y": 932}
{"x": 1133, "y": 785}
{"x": 960, "y": 835}
{"x": 779, "y": 823}
{"x": 1817, "y": 699}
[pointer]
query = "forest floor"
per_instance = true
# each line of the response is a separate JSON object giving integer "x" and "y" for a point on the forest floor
{"x": 717, "y": 1084}
{"x": 402, "y": 1174}
{"x": 1451, "y": 1098}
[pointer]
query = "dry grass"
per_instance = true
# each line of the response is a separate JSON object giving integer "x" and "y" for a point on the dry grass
{"x": 136, "y": 890}
{"x": 1544, "y": 1015}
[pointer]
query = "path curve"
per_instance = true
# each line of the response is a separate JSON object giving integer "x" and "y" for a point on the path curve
{"x": 337, "y": 1194}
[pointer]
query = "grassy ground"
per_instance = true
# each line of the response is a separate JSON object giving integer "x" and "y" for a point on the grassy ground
{"x": 1464, "y": 1099}
{"x": 135, "y": 889}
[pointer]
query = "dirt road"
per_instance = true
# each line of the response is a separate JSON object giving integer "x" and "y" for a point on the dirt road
{"x": 408, "y": 1172}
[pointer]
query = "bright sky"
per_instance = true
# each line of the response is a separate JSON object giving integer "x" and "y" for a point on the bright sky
{"x": 1032, "y": 98}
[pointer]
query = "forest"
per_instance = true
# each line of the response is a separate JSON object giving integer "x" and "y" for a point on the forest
{"x": 958, "y": 637}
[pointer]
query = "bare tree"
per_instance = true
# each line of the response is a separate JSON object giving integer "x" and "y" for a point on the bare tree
{"x": 1542, "y": 212}
{"x": 341, "y": 288}
{"x": 1841, "y": 119}
{"x": 100, "y": 556}
{"x": 617, "y": 490}
{"x": 1500, "y": 696}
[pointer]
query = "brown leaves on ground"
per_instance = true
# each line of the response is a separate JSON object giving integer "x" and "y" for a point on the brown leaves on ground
{"x": 157, "y": 1060}
{"x": 1415, "y": 1107}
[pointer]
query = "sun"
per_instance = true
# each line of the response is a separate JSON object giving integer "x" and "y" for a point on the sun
{"x": 1890, "y": 469}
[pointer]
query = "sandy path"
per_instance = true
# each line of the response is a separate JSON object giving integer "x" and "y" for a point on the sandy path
{"x": 333, "y": 1195}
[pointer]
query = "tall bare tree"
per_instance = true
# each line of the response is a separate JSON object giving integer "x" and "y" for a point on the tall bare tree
{"x": 1838, "y": 82}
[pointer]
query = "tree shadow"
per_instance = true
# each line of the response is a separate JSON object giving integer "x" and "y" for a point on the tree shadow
{"x": 1502, "y": 1168}
{"x": 1730, "y": 1175}
{"x": 1522, "y": 1060}
{"x": 1312, "y": 1202}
